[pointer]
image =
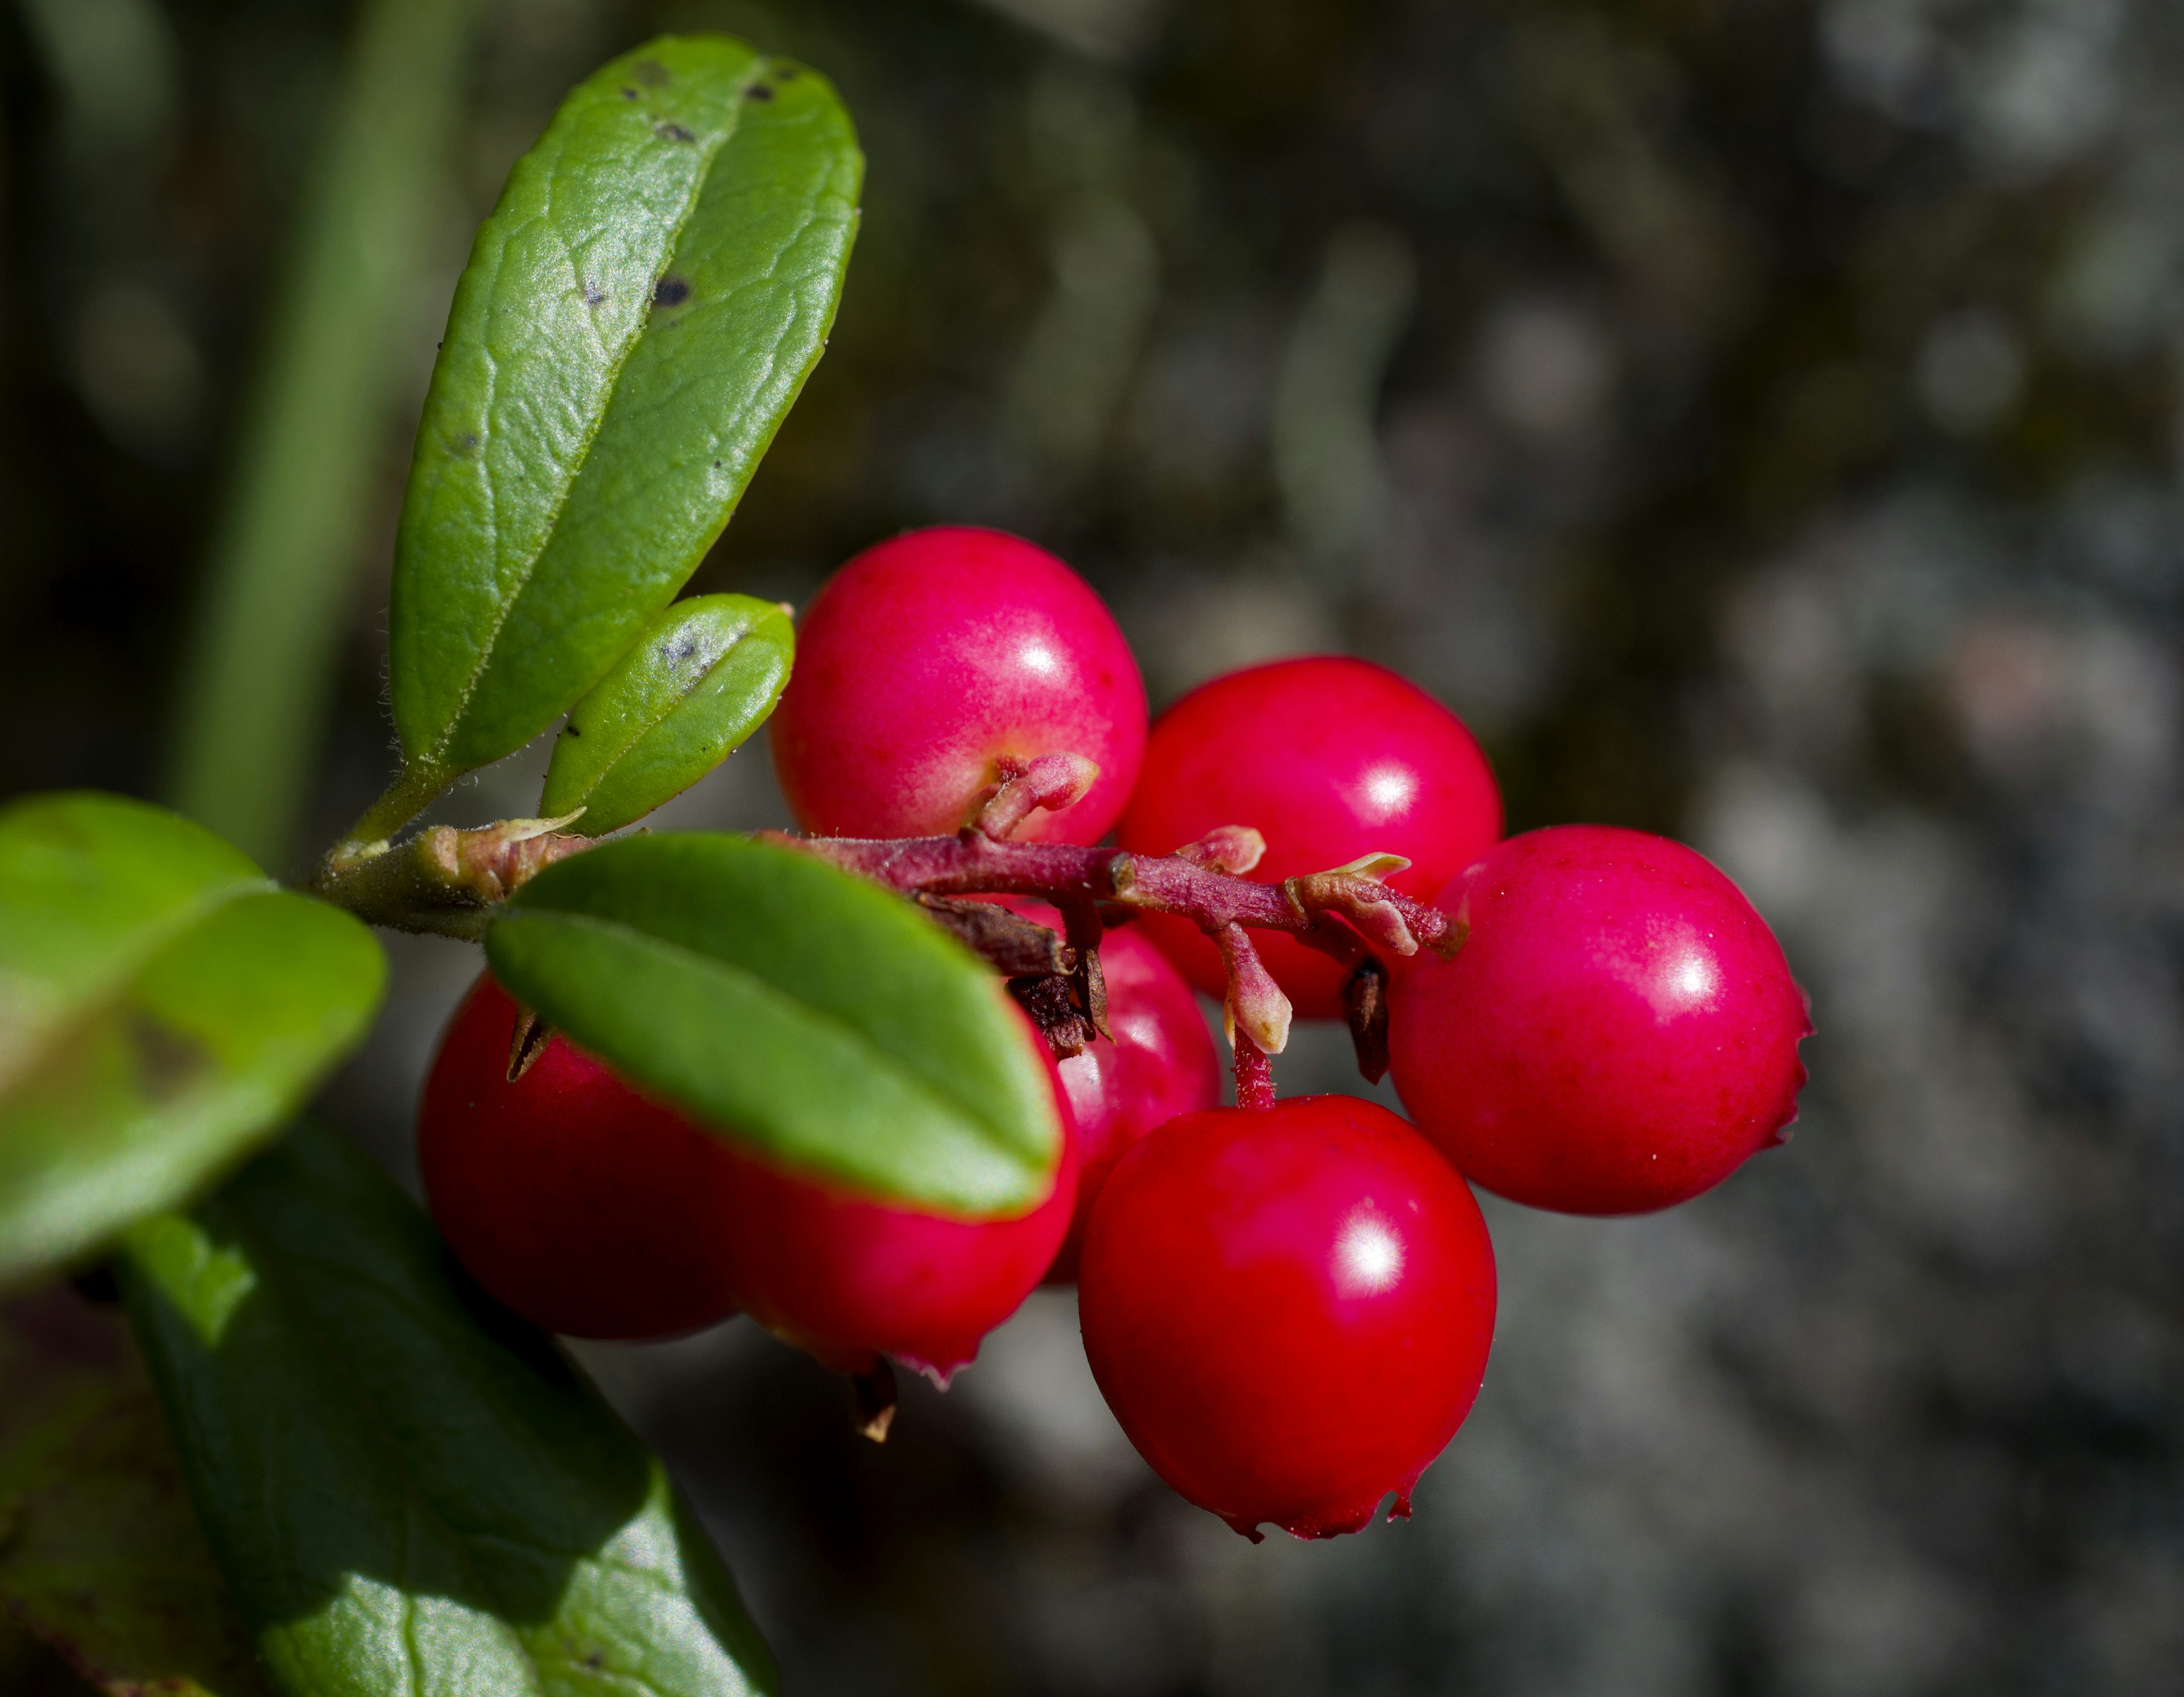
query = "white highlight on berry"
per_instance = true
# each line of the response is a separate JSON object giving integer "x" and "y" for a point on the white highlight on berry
{"x": 1368, "y": 1257}
{"x": 1390, "y": 788}
{"x": 1694, "y": 977}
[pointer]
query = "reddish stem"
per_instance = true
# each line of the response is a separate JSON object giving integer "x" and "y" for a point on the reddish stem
{"x": 970, "y": 863}
{"x": 1326, "y": 910}
{"x": 449, "y": 881}
{"x": 1255, "y": 1075}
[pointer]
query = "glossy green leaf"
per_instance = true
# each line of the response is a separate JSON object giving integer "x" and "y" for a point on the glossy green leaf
{"x": 637, "y": 318}
{"x": 164, "y": 1007}
{"x": 407, "y": 1493}
{"x": 702, "y": 679}
{"x": 806, "y": 1013}
{"x": 100, "y": 1553}
{"x": 90, "y": 885}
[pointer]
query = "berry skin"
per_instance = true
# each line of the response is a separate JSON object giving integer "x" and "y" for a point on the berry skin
{"x": 1619, "y": 1032}
{"x": 585, "y": 1208}
{"x": 929, "y": 660}
{"x": 594, "y": 1212}
{"x": 1288, "y": 1310}
{"x": 1160, "y": 1063}
{"x": 849, "y": 1279}
{"x": 1329, "y": 759}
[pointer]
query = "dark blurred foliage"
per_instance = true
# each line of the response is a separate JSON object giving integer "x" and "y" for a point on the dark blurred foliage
{"x": 1760, "y": 420}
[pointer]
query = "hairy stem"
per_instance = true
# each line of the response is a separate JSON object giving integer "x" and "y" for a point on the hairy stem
{"x": 970, "y": 863}
{"x": 1254, "y": 1077}
{"x": 1336, "y": 912}
{"x": 449, "y": 882}
{"x": 446, "y": 882}
{"x": 416, "y": 788}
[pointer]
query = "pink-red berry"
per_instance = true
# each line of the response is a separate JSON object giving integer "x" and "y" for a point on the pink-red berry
{"x": 1329, "y": 759}
{"x": 1160, "y": 1062}
{"x": 595, "y": 1212}
{"x": 1617, "y": 1033}
{"x": 1289, "y": 1311}
{"x": 935, "y": 663}
{"x": 585, "y": 1208}
{"x": 849, "y": 1279}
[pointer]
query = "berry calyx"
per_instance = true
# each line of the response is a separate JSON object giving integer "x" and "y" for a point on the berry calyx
{"x": 1329, "y": 759}
{"x": 849, "y": 1279}
{"x": 586, "y": 1208}
{"x": 1617, "y": 1033}
{"x": 1159, "y": 1062}
{"x": 1289, "y": 1311}
{"x": 941, "y": 662}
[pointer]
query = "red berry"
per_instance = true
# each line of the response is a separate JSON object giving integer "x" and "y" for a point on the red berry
{"x": 929, "y": 663}
{"x": 1329, "y": 759}
{"x": 1160, "y": 1063}
{"x": 849, "y": 1279}
{"x": 1289, "y": 1311}
{"x": 585, "y": 1208}
{"x": 1619, "y": 1032}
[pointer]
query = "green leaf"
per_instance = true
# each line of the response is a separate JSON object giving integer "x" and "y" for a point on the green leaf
{"x": 637, "y": 318}
{"x": 803, "y": 1012}
{"x": 100, "y": 1553}
{"x": 701, "y": 680}
{"x": 402, "y": 1500}
{"x": 163, "y": 1008}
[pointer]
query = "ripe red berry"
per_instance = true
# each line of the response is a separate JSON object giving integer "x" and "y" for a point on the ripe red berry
{"x": 929, "y": 663}
{"x": 585, "y": 1208}
{"x": 1619, "y": 1032}
{"x": 1329, "y": 759}
{"x": 1160, "y": 1063}
{"x": 1289, "y": 1311}
{"x": 849, "y": 1279}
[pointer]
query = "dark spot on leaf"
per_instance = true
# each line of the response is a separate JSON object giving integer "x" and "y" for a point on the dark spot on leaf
{"x": 716, "y": 465}
{"x": 595, "y": 295}
{"x": 629, "y": 94}
{"x": 675, "y": 652}
{"x": 785, "y": 73}
{"x": 674, "y": 132}
{"x": 466, "y": 443}
{"x": 758, "y": 90}
{"x": 649, "y": 72}
{"x": 572, "y": 729}
{"x": 167, "y": 1061}
{"x": 670, "y": 292}
{"x": 598, "y": 1658}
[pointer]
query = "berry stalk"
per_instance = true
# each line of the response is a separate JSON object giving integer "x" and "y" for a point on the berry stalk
{"x": 1336, "y": 912}
{"x": 1254, "y": 1077}
{"x": 446, "y": 881}
{"x": 970, "y": 863}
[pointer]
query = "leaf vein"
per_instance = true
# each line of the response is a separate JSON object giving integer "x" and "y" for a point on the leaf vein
{"x": 597, "y": 422}
{"x": 269, "y": 1262}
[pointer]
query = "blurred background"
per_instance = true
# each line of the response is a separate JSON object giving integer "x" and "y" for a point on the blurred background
{"x": 1759, "y": 419}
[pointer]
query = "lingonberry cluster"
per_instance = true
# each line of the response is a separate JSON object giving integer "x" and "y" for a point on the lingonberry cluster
{"x": 1288, "y": 1305}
